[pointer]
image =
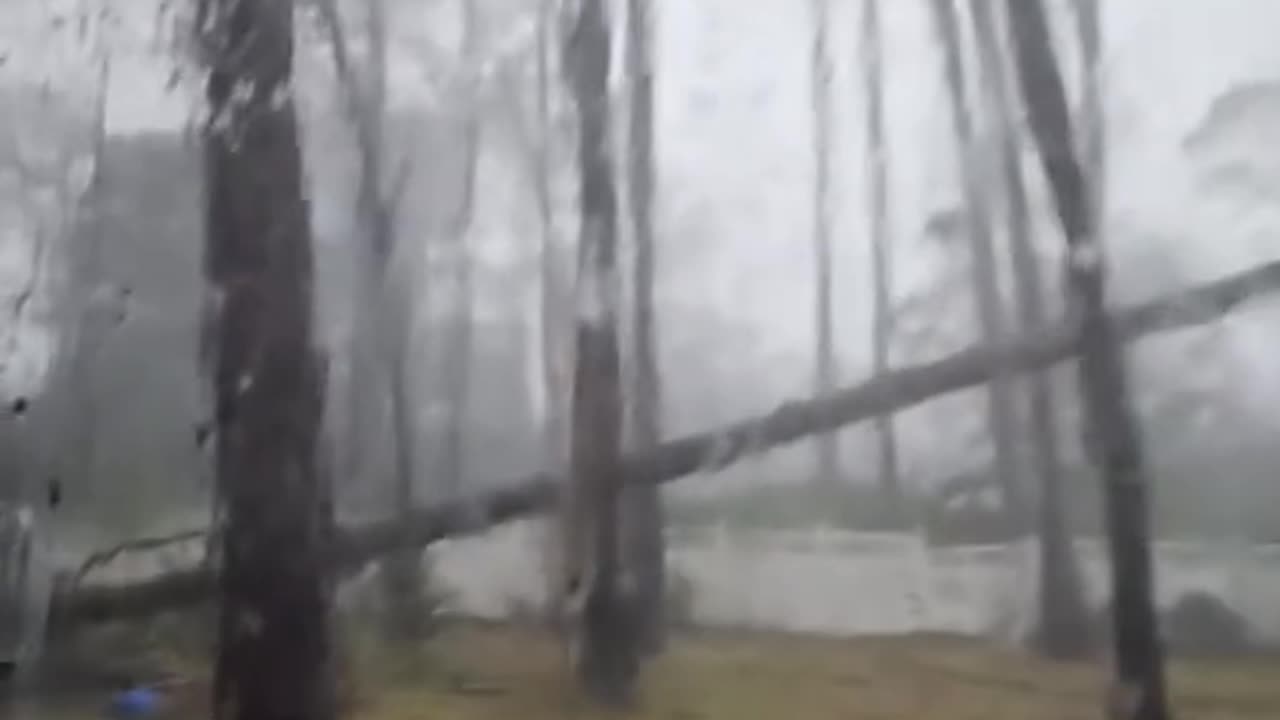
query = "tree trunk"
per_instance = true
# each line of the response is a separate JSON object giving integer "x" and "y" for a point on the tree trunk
{"x": 642, "y": 509}
{"x": 552, "y": 310}
{"x": 1093, "y": 140}
{"x": 275, "y": 647}
{"x": 881, "y": 249}
{"x": 703, "y": 452}
{"x": 457, "y": 375}
{"x": 1064, "y": 630}
{"x": 408, "y": 617}
{"x": 1001, "y": 410}
{"x": 382, "y": 301}
{"x": 458, "y": 366}
{"x": 607, "y": 655}
{"x": 824, "y": 378}
{"x": 552, "y": 291}
{"x": 1116, "y": 440}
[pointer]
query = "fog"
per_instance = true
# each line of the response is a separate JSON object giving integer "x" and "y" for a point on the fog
{"x": 100, "y": 266}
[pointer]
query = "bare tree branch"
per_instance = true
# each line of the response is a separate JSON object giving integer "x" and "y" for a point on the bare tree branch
{"x": 105, "y": 557}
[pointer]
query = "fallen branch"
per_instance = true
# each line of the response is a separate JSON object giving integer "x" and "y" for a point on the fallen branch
{"x": 701, "y": 452}
{"x": 104, "y": 557}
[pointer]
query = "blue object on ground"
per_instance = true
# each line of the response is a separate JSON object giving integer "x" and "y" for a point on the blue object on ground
{"x": 139, "y": 702}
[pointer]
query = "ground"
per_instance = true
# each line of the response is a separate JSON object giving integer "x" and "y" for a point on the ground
{"x": 486, "y": 672}
{"x": 493, "y": 673}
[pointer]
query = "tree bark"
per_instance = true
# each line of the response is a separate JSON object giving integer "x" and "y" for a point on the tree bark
{"x": 1064, "y": 630}
{"x": 703, "y": 452}
{"x": 824, "y": 374}
{"x": 1116, "y": 439}
{"x": 1001, "y": 410}
{"x": 275, "y": 646}
{"x": 642, "y": 510}
{"x": 881, "y": 251}
{"x": 606, "y": 654}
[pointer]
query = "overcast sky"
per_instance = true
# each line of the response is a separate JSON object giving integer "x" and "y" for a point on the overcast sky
{"x": 734, "y": 138}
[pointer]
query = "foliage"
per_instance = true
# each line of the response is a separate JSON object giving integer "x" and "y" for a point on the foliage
{"x": 1201, "y": 625}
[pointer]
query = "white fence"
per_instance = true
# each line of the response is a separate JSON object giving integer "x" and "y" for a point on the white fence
{"x": 845, "y": 583}
{"x": 829, "y": 581}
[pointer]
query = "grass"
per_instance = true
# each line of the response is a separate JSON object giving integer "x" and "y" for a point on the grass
{"x": 492, "y": 673}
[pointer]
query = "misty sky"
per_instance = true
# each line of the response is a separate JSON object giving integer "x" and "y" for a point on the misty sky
{"x": 734, "y": 141}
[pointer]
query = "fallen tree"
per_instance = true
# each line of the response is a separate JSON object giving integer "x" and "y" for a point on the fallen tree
{"x": 707, "y": 451}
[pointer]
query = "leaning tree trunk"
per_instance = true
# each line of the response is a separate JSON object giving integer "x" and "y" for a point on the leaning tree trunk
{"x": 1113, "y": 431}
{"x": 824, "y": 378}
{"x": 1001, "y": 410}
{"x": 607, "y": 653}
{"x": 275, "y": 647}
{"x": 642, "y": 507}
{"x": 881, "y": 251}
{"x": 1064, "y": 627}
{"x": 704, "y": 452}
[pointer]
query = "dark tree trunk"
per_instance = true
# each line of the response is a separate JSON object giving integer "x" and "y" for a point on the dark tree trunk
{"x": 1064, "y": 630}
{"x": 275, "y": 649}
{"x": 881, "y": 251}
{"x": 607, "y": 656}
{"x": 1115, "y": 438}
{"x": 642, "y": 509}
{"x": 700, "y": 452}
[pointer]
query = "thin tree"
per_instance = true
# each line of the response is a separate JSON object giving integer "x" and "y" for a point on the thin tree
{"x": 457, "y": 375}
{"x": 824, "y": 377}
{"x": 1001, "y": 410}
{"x": 643, "y": 503}
{"x": 1139, "y": 693}
{"x": 1064, "y": 625}
{"x": 606, "y": 653}
{"x": 275, "y": 645}
{"x": 382, "y": 297}
{"x": 881, "y": 249}
{"x": 1093, "y": 140}
{"x": 551, "y": 281}
{"x": 552, "y": 306}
